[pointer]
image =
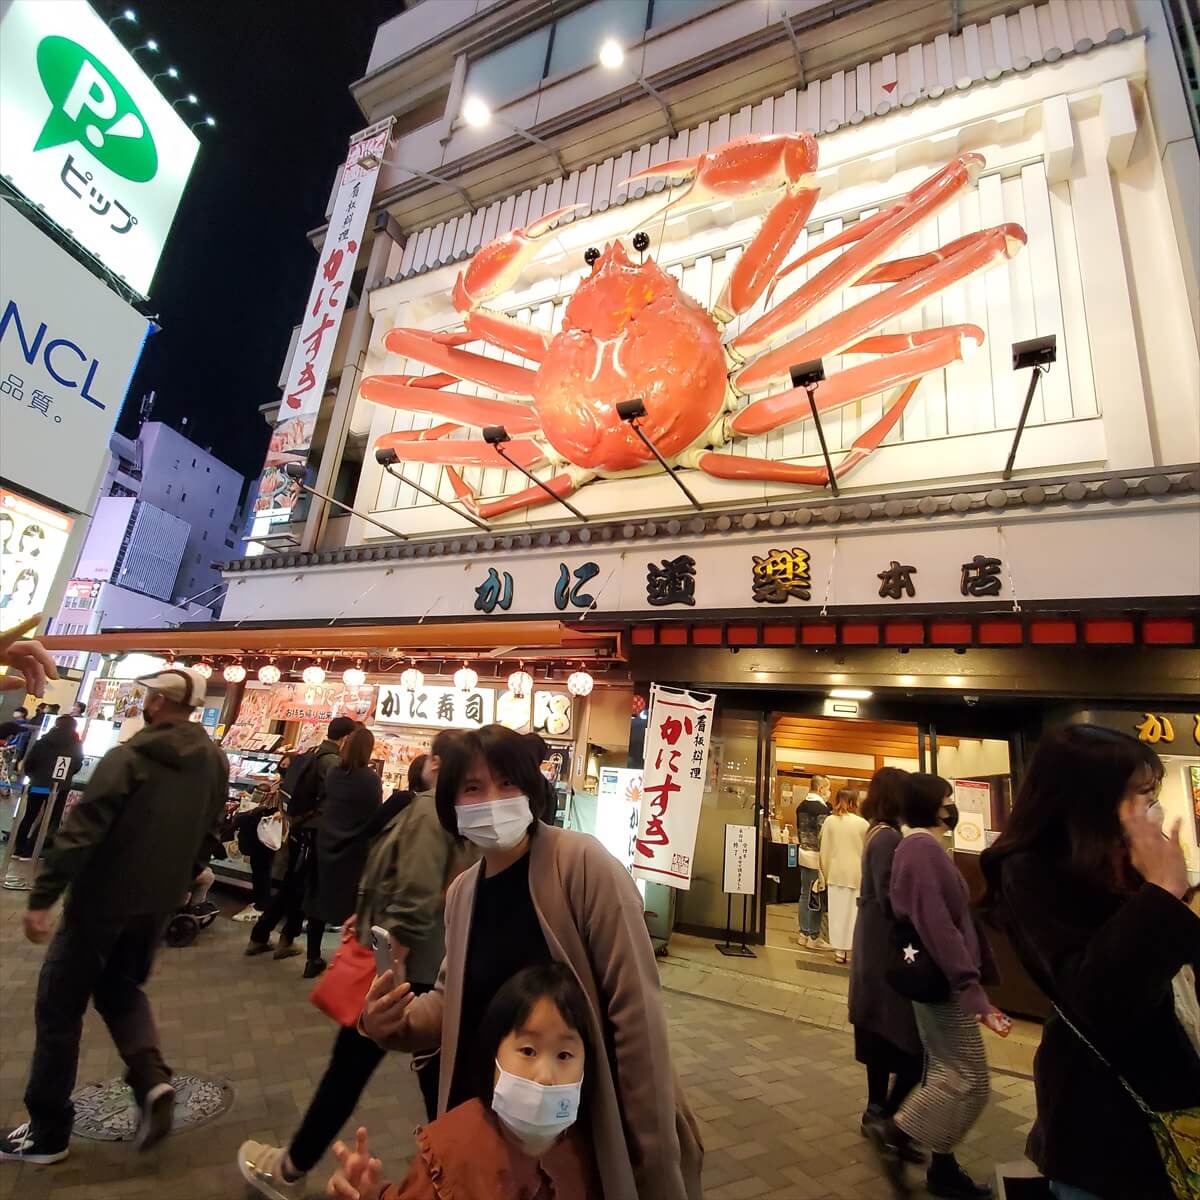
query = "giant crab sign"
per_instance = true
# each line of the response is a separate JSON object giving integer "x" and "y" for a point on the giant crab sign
{"x": 629, "y": 332}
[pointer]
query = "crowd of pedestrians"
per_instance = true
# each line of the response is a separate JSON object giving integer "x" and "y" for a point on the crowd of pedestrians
{"x": 510, "y": 958}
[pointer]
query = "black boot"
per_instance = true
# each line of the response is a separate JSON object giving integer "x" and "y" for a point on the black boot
{"x": 947, "y": 1179}
{"x": 888, "y": 1141}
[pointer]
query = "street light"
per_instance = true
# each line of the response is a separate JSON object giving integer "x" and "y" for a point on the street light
{"x": 476, "y": 113}
{"x": 150, "y": 44}
{"x": 203, "y": 121}
{"x": 128, "y": 15}
{"x": 612, "y": 58}
{"x": 190, "y": 98}
{"x": 170, "y": 72}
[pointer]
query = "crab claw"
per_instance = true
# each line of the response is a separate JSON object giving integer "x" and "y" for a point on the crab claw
{"x": 496, "y": 267}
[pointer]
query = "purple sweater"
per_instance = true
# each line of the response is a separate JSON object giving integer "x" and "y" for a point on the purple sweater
{"x": 928, "y": 890}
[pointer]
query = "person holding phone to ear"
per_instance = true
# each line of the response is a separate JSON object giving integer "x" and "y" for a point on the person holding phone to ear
{"x": 1091, "y": 889}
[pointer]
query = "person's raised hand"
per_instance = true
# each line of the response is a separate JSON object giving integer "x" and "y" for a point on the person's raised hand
{"x": 359, "y": 1176}
{"x": 1157, "y": 854}
{"x": 30, "y": 662}
{"x": 386, "y": 1009}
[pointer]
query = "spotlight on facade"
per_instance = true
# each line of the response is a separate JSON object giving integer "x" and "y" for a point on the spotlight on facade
{"x": 475, "y": 112}
{"x": 1038, "y": 353}
{"x": 632, "y": 411}
{"x": 496, "y": 436}
{"x": 611, "y": 54}
{"x": 807, "y": 375}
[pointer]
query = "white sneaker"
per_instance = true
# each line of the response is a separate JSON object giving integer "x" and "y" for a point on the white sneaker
{"x": 262, "y": 1168}
{"x": 248, "y": 915}
{"x": 158, "y": 1114}
{"x": 819, "y": 944}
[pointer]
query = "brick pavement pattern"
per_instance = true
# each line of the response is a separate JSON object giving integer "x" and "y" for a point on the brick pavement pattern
{"x": 779, "y": 1099}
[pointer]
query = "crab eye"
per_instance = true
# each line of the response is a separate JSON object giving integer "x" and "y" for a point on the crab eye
{"x": 641, "y": 242}
{"x": 590, "y": 255}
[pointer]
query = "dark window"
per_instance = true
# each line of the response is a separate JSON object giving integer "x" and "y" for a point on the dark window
{"x": 579, "y": 35}
{"x": 168, "y": 489}
{"x": 182, "y": 497}
{"x": 204, "y": 536}
{"x": 671, "y": 12}
{"x": 193, "y": 462}
{"x": 210, "y": 512}
{"x": 218, "y": 489}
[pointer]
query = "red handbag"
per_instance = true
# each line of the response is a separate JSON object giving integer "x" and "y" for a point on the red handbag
{"x": 341, "y": 991}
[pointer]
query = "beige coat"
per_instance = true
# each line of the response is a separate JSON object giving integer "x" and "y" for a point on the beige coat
{"x": 645, "y": 1138}
{"x": 842, "y": 839}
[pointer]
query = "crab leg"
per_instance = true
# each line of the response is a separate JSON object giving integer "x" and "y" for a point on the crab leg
{"x": 875, "y": 237}
{"x": 468, "y": 452}
{"x": 908, "y": 356}
{"x": 419, "y": 394}
{"x": 748, "y": 166}
{"x": 729, "y": 466}
{"x": 440, "y": 352}
{"x": 978, "y": 252}
{"x": 561, "y": 485}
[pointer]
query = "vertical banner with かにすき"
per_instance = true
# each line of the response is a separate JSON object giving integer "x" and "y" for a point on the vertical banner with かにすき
{"x": 676, "y": 762}
{"x": 327, "y": 301}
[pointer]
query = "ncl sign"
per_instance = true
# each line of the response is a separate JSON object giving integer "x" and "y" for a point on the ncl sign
{"x": 65, "y": 360}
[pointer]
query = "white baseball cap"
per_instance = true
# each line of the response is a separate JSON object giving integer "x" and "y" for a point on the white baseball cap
{"x": 181, "y": 684}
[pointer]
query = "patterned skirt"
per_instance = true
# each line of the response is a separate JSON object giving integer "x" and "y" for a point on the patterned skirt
{"x": 954, "y": 1092}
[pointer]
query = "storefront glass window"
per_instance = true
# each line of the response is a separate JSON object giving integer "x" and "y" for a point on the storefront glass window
{"x": 672, "y": 12}
{"x": 730, "y": 794}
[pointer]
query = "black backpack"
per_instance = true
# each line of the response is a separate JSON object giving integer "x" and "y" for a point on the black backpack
{"x": 301, "y": 789}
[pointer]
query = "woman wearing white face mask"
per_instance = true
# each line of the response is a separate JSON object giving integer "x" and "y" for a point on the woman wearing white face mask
{"x": 544, "y": 894}
{"x": 520, "y": 1138}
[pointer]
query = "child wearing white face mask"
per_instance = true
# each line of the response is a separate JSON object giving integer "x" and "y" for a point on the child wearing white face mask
{"x": 521, "y": 1138}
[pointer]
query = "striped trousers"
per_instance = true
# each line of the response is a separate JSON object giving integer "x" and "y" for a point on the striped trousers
{"x": 954, "y": 1092}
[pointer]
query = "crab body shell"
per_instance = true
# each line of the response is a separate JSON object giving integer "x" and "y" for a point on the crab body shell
{"x": 630, "y": 333}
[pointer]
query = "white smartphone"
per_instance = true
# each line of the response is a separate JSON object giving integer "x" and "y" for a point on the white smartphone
{"x": 381, "y": 944}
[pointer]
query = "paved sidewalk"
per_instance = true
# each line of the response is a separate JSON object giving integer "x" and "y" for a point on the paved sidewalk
{"x": 779, "y": 1099}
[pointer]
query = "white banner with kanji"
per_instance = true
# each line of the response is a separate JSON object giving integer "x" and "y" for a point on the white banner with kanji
{"x": 309, "y": 369}
{"x": 679, "y": 730}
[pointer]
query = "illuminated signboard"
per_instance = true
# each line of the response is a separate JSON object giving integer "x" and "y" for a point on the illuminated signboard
{"x": 87, "y": 137}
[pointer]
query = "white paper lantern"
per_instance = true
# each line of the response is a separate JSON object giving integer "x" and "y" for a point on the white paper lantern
{"x": 412, "y": 680}
{"x": 202, "y": 668}
{"x": 354, "y": 677}
{"x": 465, "y": 678}
{"x": 520, "y": 683}
{"x": 268, "y": 674}
{"x": 313, "y": 675}
{"x": 235, "y": 673}
{"x": 580, "y": 683}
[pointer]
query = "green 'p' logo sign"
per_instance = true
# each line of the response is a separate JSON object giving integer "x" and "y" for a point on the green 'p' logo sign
{"x": 92, "y": 108}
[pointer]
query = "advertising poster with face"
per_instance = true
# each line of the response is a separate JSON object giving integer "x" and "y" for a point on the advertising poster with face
{"x": 32, "y": 541}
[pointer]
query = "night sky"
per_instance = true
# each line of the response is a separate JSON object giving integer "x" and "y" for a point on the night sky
{"x": 237, "y": 267}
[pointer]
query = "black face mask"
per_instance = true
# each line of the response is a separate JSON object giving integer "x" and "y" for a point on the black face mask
{"x": 951, "y": 817}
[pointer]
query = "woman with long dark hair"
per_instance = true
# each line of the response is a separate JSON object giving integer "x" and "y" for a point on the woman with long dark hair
{"x": 886, "y": 1041}
{"x": 544, "y": 894}
{"x": 1090, "y": 889}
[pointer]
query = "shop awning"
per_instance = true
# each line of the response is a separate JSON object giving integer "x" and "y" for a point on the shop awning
{"x": 378, "y": 638}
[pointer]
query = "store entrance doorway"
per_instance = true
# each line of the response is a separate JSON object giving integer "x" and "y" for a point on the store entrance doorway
{"x": 846, "y": 753}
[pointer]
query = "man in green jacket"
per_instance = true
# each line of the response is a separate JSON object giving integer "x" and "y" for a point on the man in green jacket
{"x": 125, "y": 855}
